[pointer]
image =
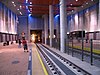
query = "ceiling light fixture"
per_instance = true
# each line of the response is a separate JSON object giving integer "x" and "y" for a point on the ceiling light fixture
{"x": 72, "y": 10}
{"x": 82, "y": 6}
{"x": 12, "y": 2}
{"x": 26, "y": 1}
{"x": 20, "y": 7}
{"x": 76, "y": 0}
{"x": 30, "y": 14}
{"x": 17, "y": 9}
{"x": 87, "y": 3}
{"x": 14, "y": 5}
{"x": 30, "y": 2}
{"x": 20, "y": 13}
{"x": 71, "y": 4}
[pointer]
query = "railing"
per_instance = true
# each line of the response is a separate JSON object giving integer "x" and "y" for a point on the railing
{"x": 88, "y": 49}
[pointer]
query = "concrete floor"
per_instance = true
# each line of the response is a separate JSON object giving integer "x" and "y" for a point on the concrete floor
{"x": 14, "y": 61}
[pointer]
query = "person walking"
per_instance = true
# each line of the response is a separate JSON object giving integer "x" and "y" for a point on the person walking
{"x": 24, "y": 42}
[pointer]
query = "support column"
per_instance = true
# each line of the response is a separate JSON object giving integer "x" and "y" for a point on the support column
{"x": 29, "y": 28}
{"x": 63, "y": 24}
{"x": 51, "y": 23}
{"x": 99, "y": 17}
{"x": 46, "y": 27}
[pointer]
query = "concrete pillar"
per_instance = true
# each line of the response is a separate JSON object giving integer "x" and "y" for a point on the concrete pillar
{"x": 51, "y": 23}
{"x": 99, "y": 17}
{"x": 29, "y": 28}
{"x": 63, "y": 24}
{"x": 46, "y": 27}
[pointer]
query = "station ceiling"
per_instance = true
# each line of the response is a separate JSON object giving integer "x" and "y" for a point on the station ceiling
{"x": 41, "y": 7}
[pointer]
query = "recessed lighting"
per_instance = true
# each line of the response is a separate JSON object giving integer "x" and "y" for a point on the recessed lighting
{"x": 14, "y": 5}
{"x": 82, "y": 6}
{"x": 20, "y": 7}
{"x": 30, "y": 2}
{"x": 87, "y": 3}
{"x": 21, "y": 13}
{"x": 71, "y": 4}
{"x": 76, "y": 0}
{"x": 17, "y": 9}
{"x": 12, "y": 2}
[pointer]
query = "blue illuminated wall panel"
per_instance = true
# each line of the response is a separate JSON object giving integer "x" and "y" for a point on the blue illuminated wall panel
{"x": 36, "y": 23}
{"x": 23, "y": 26}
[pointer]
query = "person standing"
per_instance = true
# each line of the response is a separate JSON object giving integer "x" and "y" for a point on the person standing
{"x": 24, "y": 42}
{"x": 19, "y": 41}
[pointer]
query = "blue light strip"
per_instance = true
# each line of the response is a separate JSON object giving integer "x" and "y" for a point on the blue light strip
{"x": 57, "y": 16}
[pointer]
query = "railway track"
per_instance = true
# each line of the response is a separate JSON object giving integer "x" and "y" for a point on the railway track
{"x": 58, "y": 64}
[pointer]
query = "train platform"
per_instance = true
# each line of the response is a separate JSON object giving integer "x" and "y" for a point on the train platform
{"x": 14, "y": 61}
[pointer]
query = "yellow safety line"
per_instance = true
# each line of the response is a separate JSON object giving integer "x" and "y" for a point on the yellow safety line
{"x": 45, "y": 71}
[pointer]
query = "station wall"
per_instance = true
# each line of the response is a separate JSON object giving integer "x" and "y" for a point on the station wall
{"x": 87, "y": 20}
{"x": 8, "y": 24}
